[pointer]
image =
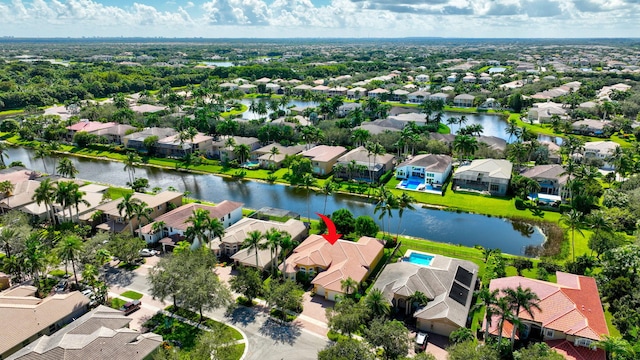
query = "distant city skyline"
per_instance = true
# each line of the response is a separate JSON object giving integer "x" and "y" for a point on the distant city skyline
{"x": 321, "y": 18}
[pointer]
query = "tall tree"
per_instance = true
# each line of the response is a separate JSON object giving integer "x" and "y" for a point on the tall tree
{"x": 487, "y": 299}
{"x": 130, "y": 163}
{"x": 521, "y": 299}
{"x": 573, "y": 220}
{"x": 253, "y": 241}
{"x": 66, "y": 168}
{"x": 127, "y": 207}
{"x": 68, "y": 250}
{"x": 377, "y": 303}
{"x": 405, "y": 202}
{"x": 45, "y": 193}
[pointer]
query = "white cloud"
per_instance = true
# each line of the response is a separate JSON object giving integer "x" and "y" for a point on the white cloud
{"x": 339, "y": 18}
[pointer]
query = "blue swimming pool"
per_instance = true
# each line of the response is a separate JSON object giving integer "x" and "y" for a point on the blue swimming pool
{"x": 419, "y": 259}
{"x": 410, "y": 184}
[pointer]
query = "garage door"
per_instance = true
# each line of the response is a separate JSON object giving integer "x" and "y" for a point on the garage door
{"x": 320, "y": 290}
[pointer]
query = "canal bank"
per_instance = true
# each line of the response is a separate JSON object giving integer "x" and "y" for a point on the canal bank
{"x": 442, "y": 226}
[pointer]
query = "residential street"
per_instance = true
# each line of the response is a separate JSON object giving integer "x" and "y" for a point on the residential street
{"x": 267, "y": 340}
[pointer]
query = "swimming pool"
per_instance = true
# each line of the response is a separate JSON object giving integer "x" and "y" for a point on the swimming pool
{"x": 419, "y": 258}
{"x": 411, "y": 184}
{"x": 251, "y": 164}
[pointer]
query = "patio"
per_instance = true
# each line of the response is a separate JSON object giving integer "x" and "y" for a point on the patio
{"x": 418, "y": 184}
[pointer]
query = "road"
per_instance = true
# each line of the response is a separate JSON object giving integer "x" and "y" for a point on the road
{"x": 267, "y": 339}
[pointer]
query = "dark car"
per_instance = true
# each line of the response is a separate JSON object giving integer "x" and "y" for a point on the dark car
{"x": 421, "y": 341}
{"x": 61, "y": 286}
{"x": 131, "y": 307}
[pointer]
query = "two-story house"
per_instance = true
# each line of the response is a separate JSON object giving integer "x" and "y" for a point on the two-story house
{"x": 323, "y": 157}
{"x": 485, "y": 175}
{"x": 552, "y": 179}
{"x": 359, "y": 164}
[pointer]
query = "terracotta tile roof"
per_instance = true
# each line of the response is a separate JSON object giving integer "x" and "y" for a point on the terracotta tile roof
{"x": 90, "y": 126}
{"x": 572, "y": 306}
{"x": 177, "y": 218}
{"x": 342, "y": 260}
{"x": 570, "y": 352}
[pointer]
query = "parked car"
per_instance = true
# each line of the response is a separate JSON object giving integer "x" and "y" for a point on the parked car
{"x": 421, "y": 341}
{"x": 61, "y": 286}
{"x": 131, "y": 306}
{"x": 148, "y": 253}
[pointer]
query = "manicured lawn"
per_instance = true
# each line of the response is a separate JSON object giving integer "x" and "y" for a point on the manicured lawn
{"x": 187, "y": 314}
{"x": 174, "y": 330}
{"x": 11, "y": 112}
{"x": 117, "y": 192}
{"x": 117, "y": 303}
{"x": 132, "y": 295}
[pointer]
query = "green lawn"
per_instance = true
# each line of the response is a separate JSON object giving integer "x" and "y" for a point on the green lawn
{"x": 132, "y": 295}
{"x": 613, "y": 331}
{"x": 117, "y": 303}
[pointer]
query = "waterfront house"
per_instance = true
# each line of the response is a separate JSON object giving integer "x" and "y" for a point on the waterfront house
{"x": 571, "y": 319}
{"x": 176, "y": 221}
{"x": 220, "y": 148}
{"x": 114, "y": 221}
{"x": 346, "y": 108}
{"x": 601, "y": 150}
{"x": 378, "y": 93}
{"x": 329, "y": 264}
{"x": 86, "y": 126}
{"x": 173, "y": 146}
{"x": 136, "y": 140}
{"x": 115, "y": 134}
{"x": 543, "y": 112}
{"x": 356, "y": 93}
{"x": 490, "y": 176}
{"x": 268, "y": 160}
{"x": 26, "y": 317}
{"x": 94, "y": 335}
{"x": 552, "y": 179}
{"x": 359, "y": 164}
{"x": 418, "y": 97}
{"x": 323, "y": 157}
{"x": 463, "y": 100}
{"x": 425, "y": 169}
{"x": 448, "y": 283}
{"x": 439, "y": 96}
{"x": 231, "y": 243}
{"x": 591, "y": 127}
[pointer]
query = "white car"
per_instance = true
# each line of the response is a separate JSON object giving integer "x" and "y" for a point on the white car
{"x": 148, "y": 253}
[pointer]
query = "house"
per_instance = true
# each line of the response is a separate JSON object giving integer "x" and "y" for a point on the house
{"x": 591, "y": 127}
{"x": 269, "y": 160}
{"x": 26, "y": 317}
{"x": 552, "y": 180}
{"x": 447, "y": 282}
{"x": 378, "y": 93}
{"x": 346, "y": 108}
{"x": 426, "y": 168}
{"x": 544, "y": 112}
{"x": 223, "y": 151}
{"x": 136, "y": 140}
{"x": 469, "y": 79}
{"x": 21, "y": 195}
{"x": 173, "y": 146}
{"x": 463, "y": 100}
{"x": 570, "y": 320}
{"x": 399, "y": 95}
{"x": 320, "y": 89}
{"x": 114, "y": 220}
{"x": 228, "y": 86}
{"x": 323, "y": 157}
{"x": 422, "y": 78}
{"x": 485, "y": 175}
{"x": 439, "y": 96}
{"x": 231, "y": 243}
{"x": 301, "y": 89}
{"x": 337, "y": 91}
{"x": 418, "y": 97}
{"x": 452, "y": 78}
{"x": 247, "y": 88}
{"x": 103, "y": 333}
{"x": 115, "y": 134}
{"x": 367, "y": 166}
{"x": 356, "y": 93}
{"x": 602, "y": 150}
{"x": 175, "y": 222}
{"x": 86, "y": 126}
{"x": 329, "y": 264}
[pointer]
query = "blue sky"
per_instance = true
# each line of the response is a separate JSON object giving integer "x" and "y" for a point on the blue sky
{"x": 321, "y": 18}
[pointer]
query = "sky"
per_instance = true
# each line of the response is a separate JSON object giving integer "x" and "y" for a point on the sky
{"x": 321, "y": 18}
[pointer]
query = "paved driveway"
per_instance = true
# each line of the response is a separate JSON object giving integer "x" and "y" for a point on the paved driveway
{"x": 267, "y": 339}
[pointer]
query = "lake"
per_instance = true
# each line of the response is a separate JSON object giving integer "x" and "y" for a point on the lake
{"x": 437, "y": 225}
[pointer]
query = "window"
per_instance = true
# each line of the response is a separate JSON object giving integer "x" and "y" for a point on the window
{"x": 159, "y": 207}
{"x": 583, "y": 342}
{"x": 494, "y": 188}
{"x": 229, "y": 216}
{"x": 548, "y": 333}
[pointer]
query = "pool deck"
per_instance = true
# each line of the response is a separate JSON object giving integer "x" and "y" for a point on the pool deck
{"x": 407, "y": 255}
{"x": 425, "y": 190}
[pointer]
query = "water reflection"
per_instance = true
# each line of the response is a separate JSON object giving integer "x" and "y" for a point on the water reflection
{"x": 438, "y": 225}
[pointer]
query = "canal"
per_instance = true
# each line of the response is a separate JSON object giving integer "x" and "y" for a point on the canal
{"x": 438, "y": 225}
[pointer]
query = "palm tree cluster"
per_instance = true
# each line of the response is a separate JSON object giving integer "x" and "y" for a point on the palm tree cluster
{"x": 387, "y": 202}
{"x": 203, "y": 227}
{"x": 274, "y": 240}
{"x": 65, "y": 194}
{"x": 506, "y": 308}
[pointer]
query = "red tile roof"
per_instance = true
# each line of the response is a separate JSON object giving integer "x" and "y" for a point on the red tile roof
{"x": 342, "y": 260}
{"x": 572, "y": 306}
{"x": 90, "y": 126}
{"x": 570, "y": 352}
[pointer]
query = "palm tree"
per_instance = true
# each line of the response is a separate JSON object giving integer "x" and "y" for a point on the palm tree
{"x": 465, "y": 145}
{"x": 7, "y": 236}
{"x": 360, "y": 136}
{"x": 328, "y": 188}
{"x": 45, "y": 193}
{"x": 42, "y": 152}
{"x": 307, "y": 181}
{"x": 130, "y": 164}
{"x": 374, "y": 149}
{"x": 68, "y": 250}
{"x": 273, "y": 152}
{"x": 141, "y": 211}
{"x": 377, "y": 303}
{"x": 349, "y": 286}
{"x": 254, "y": 242}
{"x": 67, "y": 169}
{"x": 387, "y": 202}
{"x": 75, "y": 199}
{"x": 187, "y": 135}
{"x": 405, "y": 201}
{"x": 242, "y": 151}
{"x": 416, "y": 300}
{"x": 3, "y": 154}
{"x": 524, "y": 299}
{"x": 503, "y": 310}
{"x": 599, "y": 222}
{"x": 573, "y": 219}
{"x": 199, "y": 220}
{"x": 614, "y": 346}
{"x": 128, "y": 207}
{"x": 53, "y": 146}
{"x": 512, "y": 129}
{"x": 215, "y": 229}
{"x": 62, "y": 196}
{"x": 287, "y": 243}
{"x": 487, "y": 299}
{"x": 273, "y": 238}
{"x": 6, "y": 189}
